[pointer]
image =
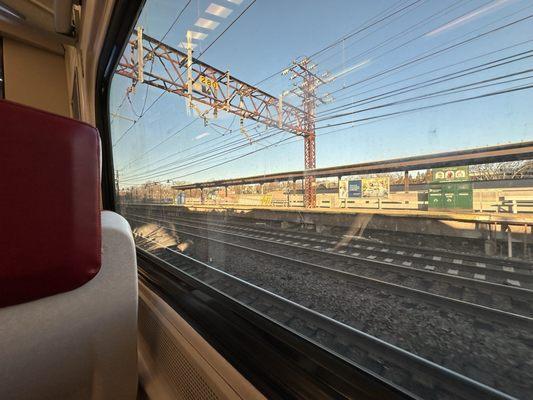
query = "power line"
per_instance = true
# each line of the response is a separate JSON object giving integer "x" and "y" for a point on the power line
{"x": 431, "y": 95}
{"x": 225, "y": 151}
{"x": 210, "y": 155}
{"x": 137, "y": 120}
{"x": 404, "y": 32}
{"x": 192, "y": 147}
{"x": 218, "y": 146}
{"x": 228, "y": 148}
{"x": 234, "y": 159}
{"x": 524, "y": 87}
{"x": 424, "y": 55}
{"x": 162, "y": 142}
{"x": 162, "y": 39}
{"x": 365, "y": 120}
{"x": 164, "y": 92}
{"x": 363, "y": 29}
{"x": 340, "y": 40}
{"x": 435, "y": 81}
{"x": 437, "y": 69}
{"x": 229, "y": 26}
{"x": 207, "y": 154}
{"x": 420, "y": 58}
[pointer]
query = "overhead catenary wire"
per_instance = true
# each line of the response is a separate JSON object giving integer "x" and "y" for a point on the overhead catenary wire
{"x": 422, "y": 97}
{"x": 278, "y": 144}
{"x": 387, "y": 105}
{"x": 162, "y": 39}
{"x": 468, "y": 69}
{"x": 233, "y": 159}
{"x": 162, "y": 142}
{"x": 393, "y": 83}
{"x": 423, "y": 57}
{"x": 435, "y": 81}
{"x": 207, "y": 48}
{"x": 208, "y": 153}
{"x": 429, "y": 95}
{"x": 366, "y": 25}
{"x": 519, "y": 88}
{"x": 158, "y": 171}
{"x": 207, "y": 150}
{"x": 182, "y": 150}
{"x": 352, "y": 122}
{"x": 207, "y": 157}
{"x": 211, "y": 156}
{"x": 312, "y": 55}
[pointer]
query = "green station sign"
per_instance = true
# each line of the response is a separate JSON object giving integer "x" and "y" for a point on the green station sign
{"x": 450, "y": 174}
{"x": 450, "y": 188}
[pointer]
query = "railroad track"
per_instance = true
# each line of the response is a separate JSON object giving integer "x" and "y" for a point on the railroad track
{"x": 508, "y": 272}
{"x": 423, "y": 378}
{"x": 431, "y": 255}
{"x": 458, "y": 258}
{"x": 495, "y": 302}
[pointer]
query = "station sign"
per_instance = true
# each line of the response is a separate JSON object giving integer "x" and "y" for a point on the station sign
{"x": 376, "y": 187}
{"x": 450, "y": 174}
{"x": 365, "y": 187}
{"x": 355, "y": 188}
{"x": 451, "y": 195}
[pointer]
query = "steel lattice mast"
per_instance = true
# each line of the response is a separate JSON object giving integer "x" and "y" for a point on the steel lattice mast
{"x": 182, "y": 74}
{"x": 307, "y": 92}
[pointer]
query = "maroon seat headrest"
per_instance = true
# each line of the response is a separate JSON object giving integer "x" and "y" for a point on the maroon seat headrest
{"x": 49, "y": 204}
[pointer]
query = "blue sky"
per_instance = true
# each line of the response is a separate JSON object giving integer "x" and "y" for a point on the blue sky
{"x": 272, "y": 33}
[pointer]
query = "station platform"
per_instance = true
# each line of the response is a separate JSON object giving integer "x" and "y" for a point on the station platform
{"x": 444, "y": 229}
{"x": 519, "y": 219}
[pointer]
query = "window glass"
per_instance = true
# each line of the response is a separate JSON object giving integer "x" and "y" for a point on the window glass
{"x": 359, "y": 172}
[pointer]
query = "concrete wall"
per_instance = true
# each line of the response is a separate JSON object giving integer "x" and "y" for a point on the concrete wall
{"x": 35, "y": 77}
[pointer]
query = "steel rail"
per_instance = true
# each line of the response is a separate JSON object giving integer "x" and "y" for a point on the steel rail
{"x": 487, "y": 268}
{"x": 492, "y": 287}
{"x": 490, "y": 262}
{"x": 441, "y": 377}
{"x": 476, "y": 310}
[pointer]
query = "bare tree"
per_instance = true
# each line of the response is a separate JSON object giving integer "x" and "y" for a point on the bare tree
{"x": 505, "y": 170}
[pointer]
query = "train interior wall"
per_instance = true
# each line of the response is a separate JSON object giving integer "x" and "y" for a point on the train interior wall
{"x": 35, "y": 77}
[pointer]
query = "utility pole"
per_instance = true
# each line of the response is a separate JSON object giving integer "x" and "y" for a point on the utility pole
{"x": 304, "y": 71}
{"x": 309, "y": 106}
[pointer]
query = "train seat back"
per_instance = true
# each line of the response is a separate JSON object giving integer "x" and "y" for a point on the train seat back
{"x": 68, "y": 282}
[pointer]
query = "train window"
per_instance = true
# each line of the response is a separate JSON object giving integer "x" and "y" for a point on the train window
{"x": 358, "y": 172}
